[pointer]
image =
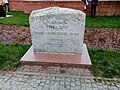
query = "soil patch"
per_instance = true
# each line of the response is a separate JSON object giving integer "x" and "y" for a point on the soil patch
{"x": 105, "y": 38}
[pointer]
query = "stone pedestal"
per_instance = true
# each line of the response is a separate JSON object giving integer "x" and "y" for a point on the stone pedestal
{"x": 57, "y": 59}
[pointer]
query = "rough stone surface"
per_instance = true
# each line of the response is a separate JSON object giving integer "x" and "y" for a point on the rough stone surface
{"x": 40, "y": 78}
{"x": 57, "y": 29}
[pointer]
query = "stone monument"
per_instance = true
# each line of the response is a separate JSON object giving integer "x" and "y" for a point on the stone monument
{"x": 57, "y": 38}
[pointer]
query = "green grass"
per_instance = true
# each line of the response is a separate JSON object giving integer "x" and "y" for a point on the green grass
{"x": 105, "y": 63}
{"x": 18, "y": 18}
{"x": 10, "y": 55}
{"x": 103, "y": 22}
{"x": 22, "y": 19}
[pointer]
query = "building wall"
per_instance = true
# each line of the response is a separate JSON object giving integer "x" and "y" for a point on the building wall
{"x": 104, "y": 8}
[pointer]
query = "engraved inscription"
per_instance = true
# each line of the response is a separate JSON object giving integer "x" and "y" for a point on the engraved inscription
{"x": 57, "y": 33}
{"x": 57, "y": 30}
{"x": 56, "y": 24}
{"x": 56, "y": 42}
{"x": 57, "y": 27}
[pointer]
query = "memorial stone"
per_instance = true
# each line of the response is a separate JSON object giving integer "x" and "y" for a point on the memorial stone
{"x": 57, "y": 29}
{"x": 57, "y": 38}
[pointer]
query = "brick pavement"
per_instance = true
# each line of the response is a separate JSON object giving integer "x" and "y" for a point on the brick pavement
{"x": 54, "y": 78}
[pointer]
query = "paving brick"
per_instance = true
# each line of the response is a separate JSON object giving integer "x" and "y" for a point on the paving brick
{"x": 53, "y": 81}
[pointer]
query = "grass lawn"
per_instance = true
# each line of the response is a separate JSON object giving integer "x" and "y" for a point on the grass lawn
{"x": 103, "y": 22}
{"x": 18, "y": 18}
{"x": 10, "y": 55}
{"x": 22, "y": 19}
{"x": 105, "y": 63}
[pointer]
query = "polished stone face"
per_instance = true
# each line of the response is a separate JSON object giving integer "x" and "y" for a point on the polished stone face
{"x": 57, "y": 29}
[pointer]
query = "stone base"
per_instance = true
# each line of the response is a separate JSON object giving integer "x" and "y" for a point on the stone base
{"x": 57, "y": 59}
